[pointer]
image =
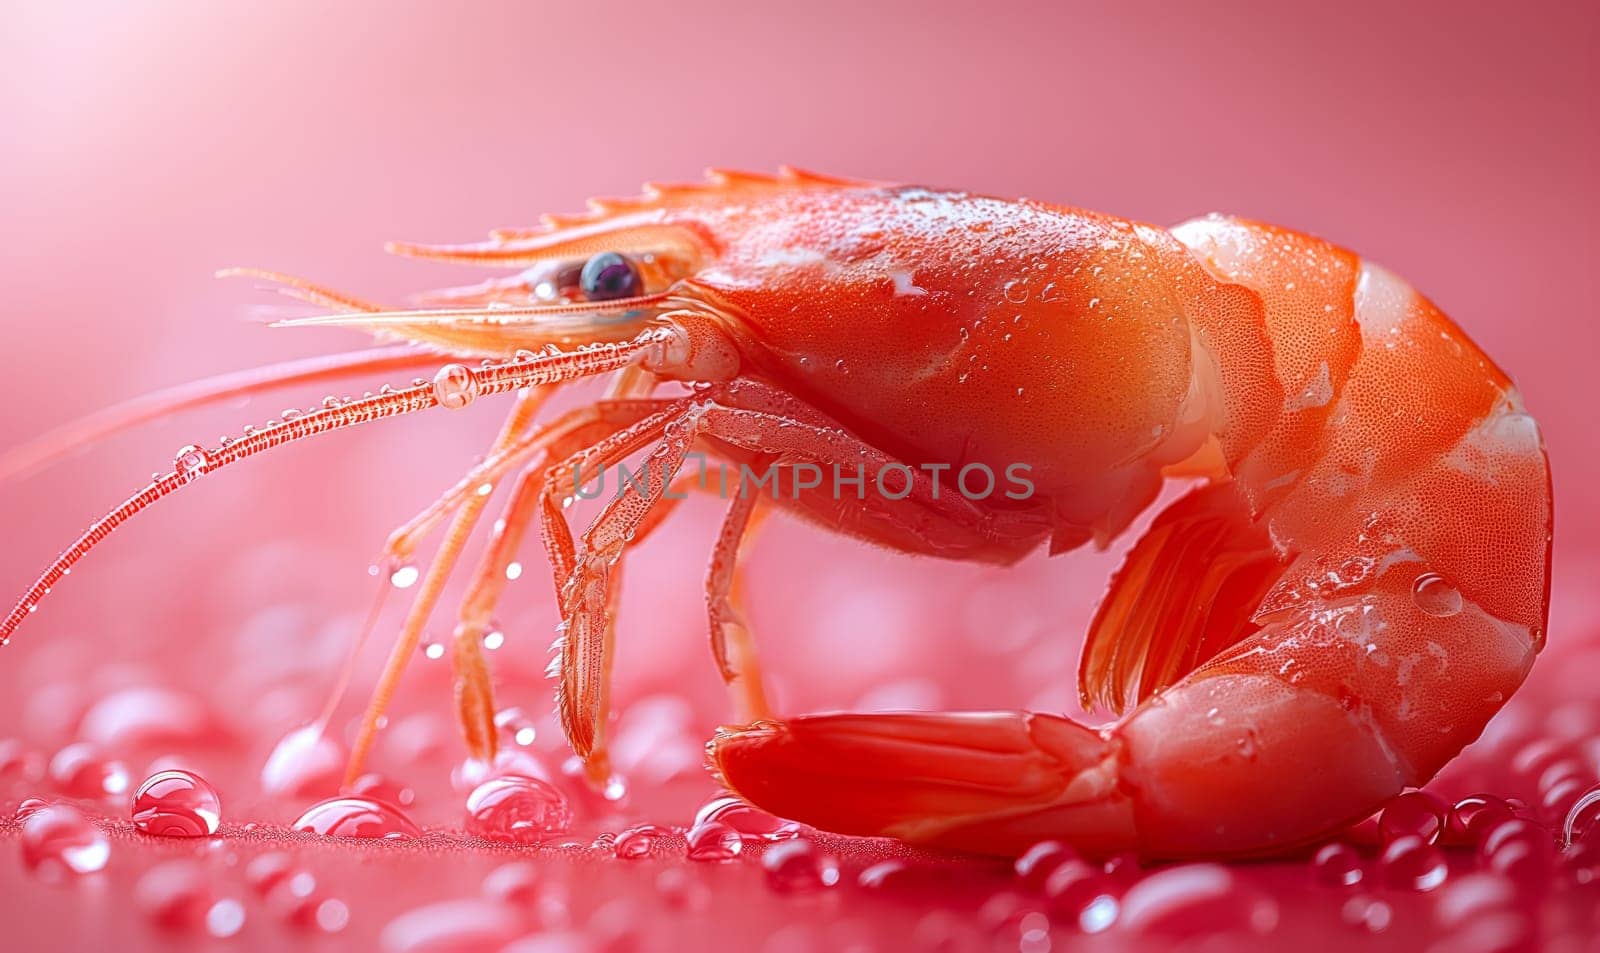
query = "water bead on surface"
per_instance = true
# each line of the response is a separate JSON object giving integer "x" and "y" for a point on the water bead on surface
{"x": 637, "y": 842}
{"x": 59, "y": 842}
{"x": 1038, "y": 861}
{"x": 455, "y": 386}
{"x": 467, "y": 924}
{"x": 1583, "y": 815}
{"x": 1194, "y": 899}
{"x": 1415, "y": 813}
{"x": 191, "y": 461}
{"x": 306, "y": 761}
{"x": 29, "y": 805}
{"x": 175, "y": 895}
{"x": 1411, "y": 863}
{"x": 1473, "y": 815}
{"x": 517, "y": 809}
{"x": 1337, "y": 865}
{"x": 177, "y": 803}
{"x": 1367, "y": 913}
{"x": 81, "y": 770}
{"x": 357, "y": 817}
{"x": 750, "y": 821}
{"x": 713, "y": 841}
{"x": 515, "y": 883}
{"x": 797, "y": 866}
{"x": 1434, "y": 595}
{"x": 381, "y": 788}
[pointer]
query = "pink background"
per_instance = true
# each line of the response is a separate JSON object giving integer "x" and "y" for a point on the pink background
{"x": 143, "y": 147}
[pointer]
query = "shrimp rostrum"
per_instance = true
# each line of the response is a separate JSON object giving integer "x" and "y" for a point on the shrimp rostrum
{"x": 1355, "y": 584}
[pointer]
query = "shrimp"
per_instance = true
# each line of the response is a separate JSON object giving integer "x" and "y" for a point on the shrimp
{"x": 1355, "y": 584}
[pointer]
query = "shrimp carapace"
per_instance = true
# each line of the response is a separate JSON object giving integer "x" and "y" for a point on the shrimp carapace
{"x": 1356, "y": 586}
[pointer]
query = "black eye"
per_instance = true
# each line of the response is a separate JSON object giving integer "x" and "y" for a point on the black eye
{"x": 607, "y": 276}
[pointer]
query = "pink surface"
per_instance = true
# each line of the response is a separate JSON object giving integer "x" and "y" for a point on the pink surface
{"x": 145, "y": 148}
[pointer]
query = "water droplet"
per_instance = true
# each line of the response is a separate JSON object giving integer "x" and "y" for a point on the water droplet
{"x": 332, "y": 915}
{"x": 191, "y": 461}
{"x": 493, "y": 639}
{"x": 1367, "y": 913}
{"x": 1036, "y": 863}
{"x": 306, "y": 761}
{"x": 225, "y": 918}
{"x": 1193, "y": 899}
{"x": 515, "y": 724}
{"x": 515, "y": 883}
{"x": 455, "y": 386}
{"x": 1472, "y": 817}
{"x": 19, "y": 763}
{"x": 750, "y": 821}
{"x": 468, "y": 924}
{"x": 1583, "y": 816}
{"x": 1434, "y": 595}
{"x": 714, "y": 841}
{"x": 637, "y": 842}
{"x": 1415, "y": 813}
{"x": 1074, "y": 885}
{"x": 885, "y": 875}
{"x": 143, "y": 716}
{"x": 267, "y": 871}
{"x": 513, "y": 571}
{"x": 1016, "y": 292}
{"x": 1411, "y": 863}
{"x": 177, "y": 803}
{"x": 797, "y": 866}
{"x": 29, "y": 805}
{"x": 357, "y": 817}
{"x": 1337, "y": 865}
{"x": 381, "y": 788}
{"x": 175, "y": 895}
{"x": 82, "y": 771}
{"x": 433, "y": 650}
{"x": 404, "y": 576}
{"x": 59, "y": 842}
{"x": 1518, "y": 849}
{"x": 518, "y": 809}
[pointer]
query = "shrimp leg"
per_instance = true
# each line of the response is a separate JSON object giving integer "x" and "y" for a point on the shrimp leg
{"x": 466, "y": 518}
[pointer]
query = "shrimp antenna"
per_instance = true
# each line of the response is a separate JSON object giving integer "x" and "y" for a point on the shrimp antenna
{"x": 454, "y": 386}
{"x": 85, "y": 431}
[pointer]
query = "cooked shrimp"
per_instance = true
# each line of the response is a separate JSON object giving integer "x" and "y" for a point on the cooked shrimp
{"x": 1357, "y": 584}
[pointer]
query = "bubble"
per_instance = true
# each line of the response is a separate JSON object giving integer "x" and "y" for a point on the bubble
{"x": 177, "y": 803}
{"x": 714, "y": 841}
{"x": 455, "y": 386}
{"x": 1434, "y": 595}
{"x": 357, "y": 817}
{"x": 796, "y": 866}
{"x": 59, "y": 842}
{"x": 1411, "y": 863}
{"x": 517, "y": 809}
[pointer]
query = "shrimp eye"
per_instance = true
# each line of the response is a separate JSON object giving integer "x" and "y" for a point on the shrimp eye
{"x": 609, "y": 275}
